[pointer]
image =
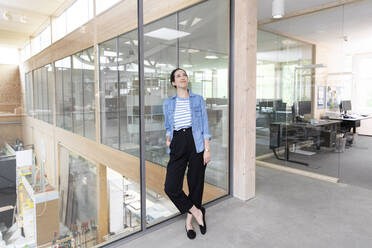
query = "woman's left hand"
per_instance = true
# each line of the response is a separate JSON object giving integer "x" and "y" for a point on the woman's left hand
{"x": 207, "y": 157}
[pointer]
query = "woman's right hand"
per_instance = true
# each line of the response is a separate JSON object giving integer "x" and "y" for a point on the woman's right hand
{"x": 168, "y": 142}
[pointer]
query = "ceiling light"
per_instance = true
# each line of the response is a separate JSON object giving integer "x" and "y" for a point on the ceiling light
{"x": 23, "y": 19}
{"x": 193, "y": 50}
{"x": 109, "y": 54}
{"x": 183, "y": 22}
{"x": 187, "y": 66}
{"x": 135, "y": 42}
{"x": 277, "y": 9}
{"x": 288, "y": 42}
{"x": 195, "y": 21}
{"x": 211, "y": 57}
{"x": 7, "y": 16}
{"x": 166, "y": 34}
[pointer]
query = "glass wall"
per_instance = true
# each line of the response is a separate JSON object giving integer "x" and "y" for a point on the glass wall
{"x": 75, "y": 101}
{"x": 195, "y": 39}
{"x": 42, "y": 93}
{"x": 288, "y": 130}
{"x": 119, "y": 118}
{"x": 119, "y": 93}
{"x": 28, "y": 94}
{"x": 177, "y": 40}
{"x": 198, "y": 41}
{"x": 327, "y": 127}
{"x": 78, "y": 211}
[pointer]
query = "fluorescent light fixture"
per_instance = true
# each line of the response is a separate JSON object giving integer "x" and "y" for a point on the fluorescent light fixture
{"x": 109, "y": 54}
{"x": 166, "y": 34}
{"x": 211, "y": 57}
{"x": 7, "y": 16}
{"x": 288, "y": 42}
{"x": 85, "y": 57}
{"x": 310, "y": 66}
{"x": 277, "y": 9}
{"x": 183, "y": 22}
{"x": 193, "y": 50}
{"x": 23, "y": 19}
{"x": 187, "y": 66}
{"x": 195, "y": 21}
{"x": 135, "y": 42}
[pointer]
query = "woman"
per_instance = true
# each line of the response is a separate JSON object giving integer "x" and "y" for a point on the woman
{"x": 187, "y": 132}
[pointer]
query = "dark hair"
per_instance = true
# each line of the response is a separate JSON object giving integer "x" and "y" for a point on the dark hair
{"x": 172, "y": 75}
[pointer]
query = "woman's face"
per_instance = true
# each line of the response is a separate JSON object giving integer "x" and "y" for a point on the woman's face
{"x": 180, "y": 79}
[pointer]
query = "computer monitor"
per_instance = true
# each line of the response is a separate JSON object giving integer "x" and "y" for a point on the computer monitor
{"x": 346, "y": 105}
{"x": 304, "y": 107}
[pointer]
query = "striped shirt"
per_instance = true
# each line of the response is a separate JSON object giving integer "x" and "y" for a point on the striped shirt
{"x": 182, "y": 113}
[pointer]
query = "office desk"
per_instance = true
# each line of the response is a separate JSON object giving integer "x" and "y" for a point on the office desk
{"x": 349, "y": 123}
{"x": 288, "y": 133}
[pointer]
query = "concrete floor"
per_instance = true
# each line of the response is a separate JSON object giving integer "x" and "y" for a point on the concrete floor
{"x": 288, "y": 211}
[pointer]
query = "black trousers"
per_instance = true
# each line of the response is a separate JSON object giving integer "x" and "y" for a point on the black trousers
{"x": 183, "y": 155}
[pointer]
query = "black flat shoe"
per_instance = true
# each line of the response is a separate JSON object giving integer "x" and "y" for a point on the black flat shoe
{"x": 203, "y": 229}
{"x": 191, "y": 234}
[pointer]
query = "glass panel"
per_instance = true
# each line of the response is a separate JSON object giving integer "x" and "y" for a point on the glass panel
{"x": 67, "y": 94}
{"x": 109, "y": 93}
{"x": 119, "y": 102}
{"x": 50, "y": 75}
{"x": 29, "y": 92}
{"x": 45, "y": 38}
{"x": 44, "y": 93}
{"x": 59, "y": 27}
{"x": 39, "y": 97}
{"x": 78, "y": 199}
{"x": 128, "y": 93}
{"x": 102, "y": 5}
{"x": 204, "y": 55}
{"x": 35, "y": 45}
{"x": 196, "y": 39}
{"x": 123, "y": 191}
{"x": 295, "y": 92}
{"x": 59, "y": 93}
{"x": 87, "y": 59}
{"x": 77, "y": 99}
{"x": 78, "y": 14}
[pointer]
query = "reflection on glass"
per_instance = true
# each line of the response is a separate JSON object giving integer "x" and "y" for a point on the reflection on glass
{"x": 87, "y": 59}
{"x": 78, "y": 199}
{"x": 119, "y": 102}
{"x": 77, "y": 84}
{"x": 75, "y": 101}
{"x": 67, "y": 94}
{"x": 197, "y": 40}
{"x": 42, "y": 92}
{"x": 124, "y": 196}
{"x": 120, "y": 94}
{"x": 50, "y": 80}
{"x": 109, "y": 93}
{"x": 288, "y": 130}
{"x": 277, "y": 58}
{"x": 29, "y": 92}
{"x": 102, "y": 5}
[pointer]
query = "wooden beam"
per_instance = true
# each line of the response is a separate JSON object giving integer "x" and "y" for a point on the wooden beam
{"x": 308, "y": 11}
{"x": 105, "y": 26}
{"x": 298, "y": 171}
{"x": 293, "y": 37}
{"x": 103, "y": 209}
{"x": 123, "y": 163}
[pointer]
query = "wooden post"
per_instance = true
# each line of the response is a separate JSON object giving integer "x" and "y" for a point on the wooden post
{"x": 245, "y": 48}
{"x": 102, "y": 206}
